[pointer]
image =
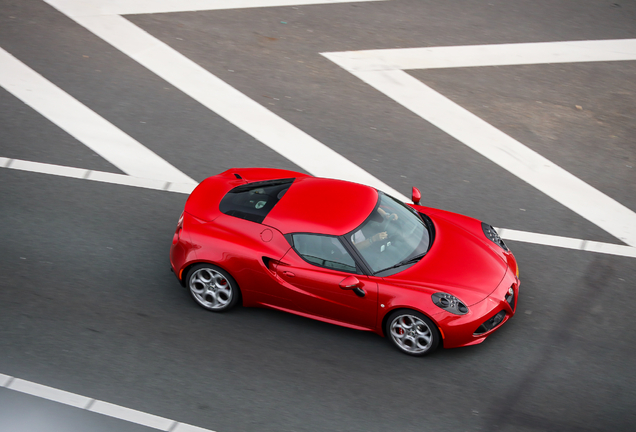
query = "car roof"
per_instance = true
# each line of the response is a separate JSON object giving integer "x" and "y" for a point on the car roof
{"x": 325, "y": 206}
{"x": 204, "y": 199}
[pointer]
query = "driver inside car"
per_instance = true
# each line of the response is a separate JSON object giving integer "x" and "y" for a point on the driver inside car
{"x": 361, "y": 241}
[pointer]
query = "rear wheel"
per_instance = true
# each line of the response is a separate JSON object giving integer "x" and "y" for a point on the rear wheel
{"x": 411, "y": 332}
{"x": 212, "y": 287}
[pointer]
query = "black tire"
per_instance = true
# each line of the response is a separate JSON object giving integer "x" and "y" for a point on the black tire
{"x": 212, "y": 288}
{"x": 412, "y": 332}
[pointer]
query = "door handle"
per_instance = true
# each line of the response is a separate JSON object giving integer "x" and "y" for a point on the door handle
{"x": 288, "y": 273}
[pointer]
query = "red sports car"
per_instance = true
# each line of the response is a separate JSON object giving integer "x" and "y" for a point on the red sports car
{"x": 346, "y": 254}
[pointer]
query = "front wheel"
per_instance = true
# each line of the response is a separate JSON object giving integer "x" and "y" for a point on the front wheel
{"x": 411, "y": 332}
{"x": 212, "y": 287}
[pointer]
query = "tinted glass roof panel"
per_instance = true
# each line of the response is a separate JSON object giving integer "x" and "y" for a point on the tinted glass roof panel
{"x": 253, "y": 201}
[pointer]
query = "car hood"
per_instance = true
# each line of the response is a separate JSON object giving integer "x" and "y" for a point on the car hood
{"x": 461, "y": 261}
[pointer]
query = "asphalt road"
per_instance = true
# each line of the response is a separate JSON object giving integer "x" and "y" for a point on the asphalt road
{"x": 88, "y": 303}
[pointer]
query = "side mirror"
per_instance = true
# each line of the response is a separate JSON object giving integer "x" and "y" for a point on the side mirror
{"x": 352, "y": 283}
{"x": 416, "y": 196}
{"x": 349, "y": 283}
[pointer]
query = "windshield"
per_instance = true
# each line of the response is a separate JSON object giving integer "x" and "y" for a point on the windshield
{"x": 393, "y": 236}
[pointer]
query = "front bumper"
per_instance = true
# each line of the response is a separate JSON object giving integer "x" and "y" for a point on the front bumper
{"x": 483, "y": 318}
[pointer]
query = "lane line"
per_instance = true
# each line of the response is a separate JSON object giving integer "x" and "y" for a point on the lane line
{"x": 124, "y": 7}
{"x": 186, "y": 188}
{"x": 567, "y": 242}
{"x": 131, "y": 415}
{"x": 5, "y": 379}
{"x": 243, "y": 112}
{"x": 153, "y": 54}
{"x": 96, "y": 406}
{"x": 386, "y": 77}
{"x": 82, "y": 123}
{"x": 98, "y": 176}
{"x": 486, "y": 55}
{"x": 184, "y": 427}
{"x": 128, "y": 414}
{"x": 49, "y": 393}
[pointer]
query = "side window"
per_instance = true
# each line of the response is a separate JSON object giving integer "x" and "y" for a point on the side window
{"x": 324, "y": 251}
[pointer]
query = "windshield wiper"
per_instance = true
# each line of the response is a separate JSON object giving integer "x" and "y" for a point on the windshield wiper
{"x": 411, "y": 260}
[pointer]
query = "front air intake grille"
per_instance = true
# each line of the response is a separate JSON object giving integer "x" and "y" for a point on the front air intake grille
{"x": 490, "y": 323}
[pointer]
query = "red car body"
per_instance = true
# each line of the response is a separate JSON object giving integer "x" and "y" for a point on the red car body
{"x": 461, "y": 260}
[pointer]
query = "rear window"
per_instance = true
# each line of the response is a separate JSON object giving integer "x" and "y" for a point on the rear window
{"x": 253, "y": 201}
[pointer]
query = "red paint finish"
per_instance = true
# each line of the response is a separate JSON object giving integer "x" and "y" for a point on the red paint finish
{"x": 236, "y": 246}
{"x": 271, "y": 273}
{"x": 460, "y": 259}
{"x": 326, "y": 206}
{"x": 204, "y": 200}
{"x": 416, "y": 195}
{"x": 316, "y": 291}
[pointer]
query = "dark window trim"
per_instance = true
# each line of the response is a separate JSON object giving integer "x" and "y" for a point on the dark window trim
{"x": 360, "y": 262}
{"x": 347, "y": 237}
{"x": 431, "y": 229}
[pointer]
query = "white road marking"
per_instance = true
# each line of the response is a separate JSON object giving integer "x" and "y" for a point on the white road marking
{"x": 99, "y": 176}
{"x": 226, "y": 101}
{"x": 157, "y": 56}
{"x": 567, "y": 242}
{"x": 184, "y": 427}
{"x": 131, "y": 415}
{"x": 187, "y": 76}
{"x": 124, "y": 7}
{"x": 506, "y": 152}
{"x": 5, "y": 379}
{"x": 186, "y": 188}
{"x": 96, "y": 406}
{"x": 49, "y": 393}
{"x": 381, "y": 69}
{"x": 486, "y": 55}
{"x": 83, "y": 124}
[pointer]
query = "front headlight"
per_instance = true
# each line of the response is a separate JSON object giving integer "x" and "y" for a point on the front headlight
{"x": 493, "y": 236}
{"x": 449, "y": 303}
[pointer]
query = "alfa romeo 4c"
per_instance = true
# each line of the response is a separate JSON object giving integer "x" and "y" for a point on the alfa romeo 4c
{"x": 346, "y": 254}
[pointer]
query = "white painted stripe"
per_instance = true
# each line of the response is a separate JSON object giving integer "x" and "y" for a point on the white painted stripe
{"x": 182, "y": 427}
{"x": 505, "y": 151}
{"x": 609, "y": 249}
{"x": 4, "y": 380}
{"x": 96, "y": 406}
{"x": 243, "y": 112}
{"x": 567, "y": 242}
{"x": 83, "y": 124}
{"x": 99, "y": 176}
{"x": 131, "y": 415}
{"x": 49, "y": 393}
{"x": 124, "y": 180}
{"x": 43, "y": 168}
{"x": 156, "y": 56}
{"x": 486, "y": 55}
{"x": 124, "y": 7}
